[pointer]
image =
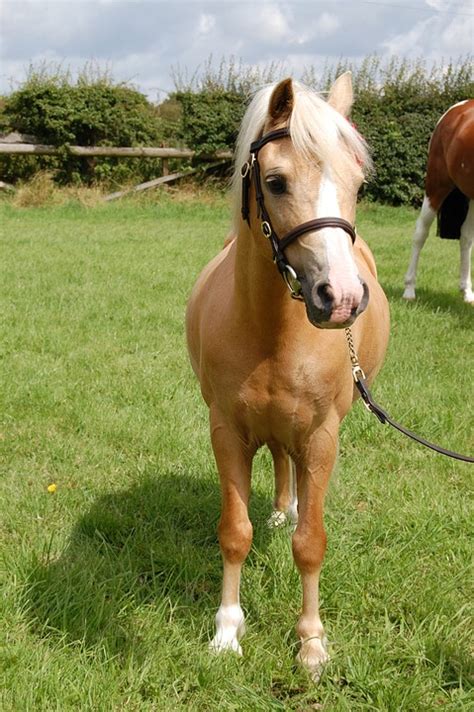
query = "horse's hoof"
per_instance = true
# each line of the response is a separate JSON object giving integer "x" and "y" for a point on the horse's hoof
{"x": 313, "y": 656}
{"x": 277, "y": 519}
{"x": 409, "y": 295}
{"x": 217, "y": 646}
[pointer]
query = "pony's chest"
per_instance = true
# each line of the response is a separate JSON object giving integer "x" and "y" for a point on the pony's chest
{"x": 273, "y": 401}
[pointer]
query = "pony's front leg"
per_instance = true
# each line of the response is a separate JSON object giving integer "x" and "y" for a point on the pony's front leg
{"x": 309, "y": 541}
{"x": 234, "y": 463}
{"x": 467, "y": 237}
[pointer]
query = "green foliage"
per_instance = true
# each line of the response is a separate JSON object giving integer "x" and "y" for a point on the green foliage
{"x": 211, "y": 119}
{"x": 396, "y": 109}
{"x": 397, "y": 106}
{"x": 231, "y": 75}
{"x": 93, "y": 111}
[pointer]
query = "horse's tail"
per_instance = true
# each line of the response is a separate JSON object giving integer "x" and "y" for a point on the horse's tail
{"x": 452, "y": 214}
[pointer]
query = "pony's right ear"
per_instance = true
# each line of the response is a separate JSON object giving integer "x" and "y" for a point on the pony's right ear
{"x": 281, "y": 102}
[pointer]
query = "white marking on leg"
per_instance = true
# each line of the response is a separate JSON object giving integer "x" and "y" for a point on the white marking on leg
{"x": 422, "y": 229}
{"x": 467, "y": 237}
{"x": 277, "y": 519}
{"x": 230, "y": 627}
{"x": 293, "y": 506}
{"x": 313, "y": 654}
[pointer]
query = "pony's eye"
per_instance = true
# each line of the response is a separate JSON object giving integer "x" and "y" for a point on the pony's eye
{"x": 277, "y": 185}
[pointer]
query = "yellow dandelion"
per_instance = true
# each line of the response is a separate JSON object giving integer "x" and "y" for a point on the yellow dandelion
{"x": 52, "y": 488}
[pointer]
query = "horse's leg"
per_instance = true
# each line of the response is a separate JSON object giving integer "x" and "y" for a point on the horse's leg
{"x": 423, "y": 224}
{"x": 285, "y": 504}
{"x": 467, "y": 237}
{"x": 235, "y": 530}
{"x": 309, "y": 540}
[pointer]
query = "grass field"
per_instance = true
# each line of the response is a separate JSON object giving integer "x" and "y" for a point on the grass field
{"x": 111, "y": 582}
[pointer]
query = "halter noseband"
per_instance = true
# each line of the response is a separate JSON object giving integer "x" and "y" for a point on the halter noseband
{"x": 251, "y": 167}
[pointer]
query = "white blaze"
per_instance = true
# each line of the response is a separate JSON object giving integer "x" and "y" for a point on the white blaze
{"x": 342, "y": 276}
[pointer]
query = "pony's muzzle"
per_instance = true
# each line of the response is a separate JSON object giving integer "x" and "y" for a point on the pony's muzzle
{"x": 330, "y": 309}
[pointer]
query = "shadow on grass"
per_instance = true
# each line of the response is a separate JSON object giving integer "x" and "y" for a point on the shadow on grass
{"x": 152, "y": 547}
{"x": 449, "y": 303}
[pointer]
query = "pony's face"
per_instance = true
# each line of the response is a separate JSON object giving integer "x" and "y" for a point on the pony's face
{"x": 299, "y": 187}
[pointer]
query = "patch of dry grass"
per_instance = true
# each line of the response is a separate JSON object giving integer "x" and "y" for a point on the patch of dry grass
{"x": 41, "y": 191}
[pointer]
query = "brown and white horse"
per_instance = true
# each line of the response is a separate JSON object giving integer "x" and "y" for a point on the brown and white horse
{"x": 267, "y": 374}
{"x": 449, "y": 192}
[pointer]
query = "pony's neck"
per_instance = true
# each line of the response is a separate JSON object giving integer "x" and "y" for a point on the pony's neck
{"x": 260, "y": 291}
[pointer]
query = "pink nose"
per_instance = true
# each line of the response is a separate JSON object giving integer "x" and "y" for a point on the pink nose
{"x": 348, "y": 302}
{"x": 339, "y": 305}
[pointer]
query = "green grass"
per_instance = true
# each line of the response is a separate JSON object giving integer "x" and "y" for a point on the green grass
{"x": 110, "y": 584}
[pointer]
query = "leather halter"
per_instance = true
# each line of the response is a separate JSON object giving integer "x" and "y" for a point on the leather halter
{"x": 252, "y": 168}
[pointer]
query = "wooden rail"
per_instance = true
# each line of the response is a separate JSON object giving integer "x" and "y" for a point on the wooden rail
{"x": 24, "y": 145}
{"x": 36, "y": 149}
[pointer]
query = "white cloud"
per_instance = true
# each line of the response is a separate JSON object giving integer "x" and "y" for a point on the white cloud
{"x": 143, "y": 39}
{"x": 206, "y": 24}
{"x": 436, "y": 4}
{"x": 436, "y": 38}
{"x": 271, "y": 22}
{"x": 408, "y": 43}
{"x": 328, "y": 23}
{"x": 458, "y": 37}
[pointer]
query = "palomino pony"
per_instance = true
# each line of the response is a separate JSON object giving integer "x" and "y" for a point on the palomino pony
{"x": 267, "y": 374}
{"x": 449, "y": 192}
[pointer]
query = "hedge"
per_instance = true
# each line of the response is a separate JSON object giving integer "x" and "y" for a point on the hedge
{"x": 87, "y": 112}
{"x": 396, "y": 109}
{"x": 397, "y": 106}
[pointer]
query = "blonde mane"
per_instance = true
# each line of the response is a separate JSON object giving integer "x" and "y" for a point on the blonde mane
{"x": 317, "y": 130}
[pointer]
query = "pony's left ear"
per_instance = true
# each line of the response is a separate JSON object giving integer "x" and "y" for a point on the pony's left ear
{"x": 341, "y": 96}
{"x": 281, "y": 102}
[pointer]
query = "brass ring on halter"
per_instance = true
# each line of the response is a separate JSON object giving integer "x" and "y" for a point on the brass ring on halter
{"x": 244, "y": 171}
{"x": 266, "y": 228}
{"x": 290, "y": 278}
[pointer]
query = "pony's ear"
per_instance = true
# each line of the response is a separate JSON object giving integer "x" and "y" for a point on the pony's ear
{"x": 281, "y": 102}
{"x": 341, "y": 96}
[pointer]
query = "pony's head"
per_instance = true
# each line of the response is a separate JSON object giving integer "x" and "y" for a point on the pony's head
{"x": 315, "y": 172}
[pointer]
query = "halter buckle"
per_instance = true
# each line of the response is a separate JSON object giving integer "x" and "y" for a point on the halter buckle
{"x": 266, "y": 228}
{"x": 248, "y": 165}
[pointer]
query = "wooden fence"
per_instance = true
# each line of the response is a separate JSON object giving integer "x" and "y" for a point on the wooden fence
{"x": 21, "y": 145}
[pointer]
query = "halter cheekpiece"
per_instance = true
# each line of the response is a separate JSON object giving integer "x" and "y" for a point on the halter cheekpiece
{"x": 252, "y": 169}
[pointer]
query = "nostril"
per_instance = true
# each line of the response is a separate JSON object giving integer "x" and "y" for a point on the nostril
{"x": 365, "y": 298}
{"x": 326, "y": 295}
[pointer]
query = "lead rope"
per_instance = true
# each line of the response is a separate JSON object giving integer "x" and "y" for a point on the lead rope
{"x": 361, "y": 385}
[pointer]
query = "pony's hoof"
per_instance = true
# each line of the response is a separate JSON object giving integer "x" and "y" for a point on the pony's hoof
{"x": 469, "y": 297}
{"x": 217, "y": 646}
{"x": 409, "y": 294}
{"x": 230, "y": 627}
{"x": 277, "y": 519}
{"x": 313, "y": 656}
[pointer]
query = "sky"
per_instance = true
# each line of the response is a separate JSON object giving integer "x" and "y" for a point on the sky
{"x": 144, "y": 41}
